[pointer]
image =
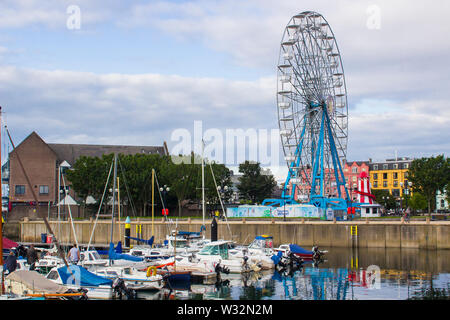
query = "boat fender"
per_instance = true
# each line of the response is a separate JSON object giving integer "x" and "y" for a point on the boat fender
{"x": 151, "y": 271}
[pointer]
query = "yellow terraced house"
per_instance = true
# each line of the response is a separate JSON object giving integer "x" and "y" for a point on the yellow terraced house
{"x": 391, "y": 175}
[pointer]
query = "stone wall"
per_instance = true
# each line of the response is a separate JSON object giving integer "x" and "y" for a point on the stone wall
{"x": 421, "y": 235}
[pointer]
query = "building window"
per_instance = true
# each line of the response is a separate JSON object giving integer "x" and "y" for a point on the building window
{"x": 442, "y": 203}
{"x": 406, "y": 174}
{"x": 363, "y": 169}
{"x": 395, "y": 165}
{"x": 395, "y": 175}
{"x": 396, "y": 192}
{"x": 385, "y": 176}
{"x": 395, "y": 183}
{"x": 384, "y": 184}
{"x": 354, "y": 178}
{"x": 43, "y": 189}
{"x": 20, "y": 190}
{"x": 375, "y": 184}
{"x": 375, "y": 167}
{"x": 375, "y": 176}
{"x": 405, "y": 165}
{"x": 355, "y": 170}
{"x": 385, "y": 166}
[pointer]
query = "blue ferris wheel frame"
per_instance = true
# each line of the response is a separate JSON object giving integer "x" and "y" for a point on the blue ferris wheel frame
{"x": 317, "y": 179}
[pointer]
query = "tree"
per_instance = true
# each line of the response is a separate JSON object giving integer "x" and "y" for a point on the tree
{"x": 417, "y": 202}
{"x": 428, "y": 175}
{"x": 254, "y": 185}
{"x": 381, "y": 196}
{"x": 88, "y": 175}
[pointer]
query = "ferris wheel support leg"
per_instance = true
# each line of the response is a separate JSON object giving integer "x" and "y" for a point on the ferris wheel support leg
{"x": 340, "y": 181}
{"x": 318, "y": 160}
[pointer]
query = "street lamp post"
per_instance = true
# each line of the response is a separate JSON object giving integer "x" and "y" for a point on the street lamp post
{"x": 385, "y": 200}
{"x": 164, "y": 190}
{"x": 222, "y": 191}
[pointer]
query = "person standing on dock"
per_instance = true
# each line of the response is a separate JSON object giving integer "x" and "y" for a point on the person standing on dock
{"x": 11, "y": 262}
{"x": 74, "y": 255}
{"x": 32, "y": 257}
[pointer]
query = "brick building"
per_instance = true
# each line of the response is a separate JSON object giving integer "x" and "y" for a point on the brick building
{"x": 42, "y": 161}
{"x": 352, "y": 170}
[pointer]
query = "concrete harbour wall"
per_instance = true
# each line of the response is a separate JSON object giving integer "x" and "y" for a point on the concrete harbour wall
{"x": 419, "y": 235}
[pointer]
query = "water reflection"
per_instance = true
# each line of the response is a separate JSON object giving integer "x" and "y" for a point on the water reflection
{"x": 347, "y": 274}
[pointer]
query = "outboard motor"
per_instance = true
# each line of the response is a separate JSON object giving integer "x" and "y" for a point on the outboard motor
{"x": 317, "y": 255}
{"x": 121, "y": 290}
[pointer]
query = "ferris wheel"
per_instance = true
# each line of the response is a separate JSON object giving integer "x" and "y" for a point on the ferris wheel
{"x": 312, "y": 111}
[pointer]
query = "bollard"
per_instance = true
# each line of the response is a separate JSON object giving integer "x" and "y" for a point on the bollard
{"x": 243, "y": 220}
{"x": 303, "y": 221}
{"x": 189, "y": 220}
{"x": 214, "y": 229}
{"x": 127, "y": 232}
{"x": 273, "y": 220}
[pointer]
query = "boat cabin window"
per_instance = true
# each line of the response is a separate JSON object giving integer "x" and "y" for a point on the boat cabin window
{"x": 53, "y": 275}
{"x": 155, "y": 253}
{"x": 178, "y": 244}
{"x": 127, "y": 270}
{"x": 221, "y": 250}
{"x": 82, "y": 256}
{"x": 261, "y": 243}
{"x": 112, "y": 273}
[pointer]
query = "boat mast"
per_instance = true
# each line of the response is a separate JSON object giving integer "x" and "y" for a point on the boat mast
{"x": 113, "y": 196}
{"x": 118, "y": 208}
{"x": 203, "y": 183}
{"x": 153, "y": 199}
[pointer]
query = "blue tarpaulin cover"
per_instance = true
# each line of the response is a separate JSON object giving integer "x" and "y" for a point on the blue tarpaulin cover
{"x": 297, "y": 249}
{"x": 113, "y": 255}
{"x": 81, "y": 276}
{"x": 188, "y": 233}
{"x": 148, "y": 242}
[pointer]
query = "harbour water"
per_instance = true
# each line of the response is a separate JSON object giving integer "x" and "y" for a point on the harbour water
{"x": 347, "y": 274}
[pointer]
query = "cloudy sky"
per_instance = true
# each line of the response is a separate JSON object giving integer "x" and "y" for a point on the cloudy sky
{"x": 135, "y": 72}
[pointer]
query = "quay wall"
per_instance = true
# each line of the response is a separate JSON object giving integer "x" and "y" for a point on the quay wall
{"x": 370, "y": 234}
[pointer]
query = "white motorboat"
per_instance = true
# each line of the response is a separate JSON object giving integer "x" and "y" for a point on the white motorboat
{"x": 91, "y": 259}
{"x": 134, "y": 279}
{"x": 79, "y": 278}
{"x": 259, "y": 251}
{"x": 216, "y": 252}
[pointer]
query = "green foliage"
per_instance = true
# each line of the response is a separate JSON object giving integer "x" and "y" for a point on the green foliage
{"x": 417, "y": 201}
{"x": 381, "y": 196}
{"x": 88, "y": 177}
{"x": 253, "y": 185}
{"x": 429, "y": 175}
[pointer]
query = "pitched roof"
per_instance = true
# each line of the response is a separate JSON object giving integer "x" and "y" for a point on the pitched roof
{"x": 71, "y": 152}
